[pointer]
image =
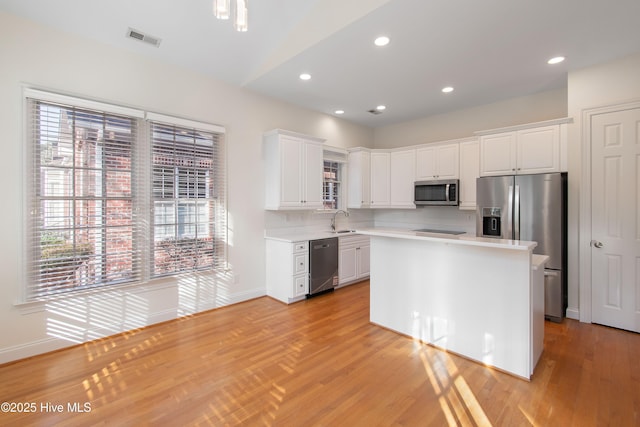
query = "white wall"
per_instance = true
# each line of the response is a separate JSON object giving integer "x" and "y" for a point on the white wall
{"x": 463, "y": 123}
{"x": 602, "y": 85}
{"x": 49, "y": 59}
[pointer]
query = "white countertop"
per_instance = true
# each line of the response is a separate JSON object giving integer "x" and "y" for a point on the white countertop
{"x": 462, "y": 239}
{"x": 305, "y": 235}
{"x": 538, "y": 261}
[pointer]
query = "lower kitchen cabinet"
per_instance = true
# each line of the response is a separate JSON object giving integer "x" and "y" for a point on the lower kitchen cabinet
{"x": 353, "y": 262}
{"x": 287, "y": 270}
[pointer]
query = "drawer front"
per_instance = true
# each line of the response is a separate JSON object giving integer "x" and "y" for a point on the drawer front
{"x": 300, "y": 285}
{"x": 355, "y": 241}
{"x": 300, "y": 247}
{"x": 300, "y": 263}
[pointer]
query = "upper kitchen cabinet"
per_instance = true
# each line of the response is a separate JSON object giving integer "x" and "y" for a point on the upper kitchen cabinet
{"x": 469, "y": 173}
{"x": 437, "y": 161}
{"x": 526, "y": 149}
{"x": 359, "y": 178}
{"x": 380, "y": 179}
{"x": 293, "y": 167}
{"x": 402, "y": 177}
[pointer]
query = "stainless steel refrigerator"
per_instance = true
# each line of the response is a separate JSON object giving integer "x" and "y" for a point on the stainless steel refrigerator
{"x": 534, "y": 208}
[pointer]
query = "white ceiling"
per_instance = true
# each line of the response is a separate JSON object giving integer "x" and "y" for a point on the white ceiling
{"x": 487, "y": 50}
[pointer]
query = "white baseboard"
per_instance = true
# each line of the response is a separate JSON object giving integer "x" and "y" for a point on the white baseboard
{"x": 79, "y": 336}
{"x": 573, "y": 313}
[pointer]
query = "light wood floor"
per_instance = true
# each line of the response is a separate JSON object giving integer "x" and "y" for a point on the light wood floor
{"x": 320, "y": 362}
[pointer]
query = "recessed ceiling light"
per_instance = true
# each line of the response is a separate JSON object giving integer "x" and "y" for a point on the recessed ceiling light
{"x": 555, "y": 60}
{"x": 381, "y": 107}
{"x": 382, "y": 41}
{"x": 447, "y": 89}
{"x": 339, "y": 112}
{"x": 305, "y": 76}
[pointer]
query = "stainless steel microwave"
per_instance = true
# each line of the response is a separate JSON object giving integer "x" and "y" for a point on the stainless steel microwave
{"x": 442, "y": 192}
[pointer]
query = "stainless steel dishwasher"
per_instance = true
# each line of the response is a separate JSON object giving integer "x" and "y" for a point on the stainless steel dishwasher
{"x": 323, "y": 266}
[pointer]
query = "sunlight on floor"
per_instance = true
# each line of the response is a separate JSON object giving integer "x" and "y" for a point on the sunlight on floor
{"x": 458, "y": 403}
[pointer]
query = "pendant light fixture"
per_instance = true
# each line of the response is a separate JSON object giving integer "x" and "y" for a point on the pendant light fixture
{"x": 241, "y": 23}
{"x": 222, "y": 10}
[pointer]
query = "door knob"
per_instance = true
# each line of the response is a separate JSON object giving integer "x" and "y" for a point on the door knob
{"x": 596, "y": 244}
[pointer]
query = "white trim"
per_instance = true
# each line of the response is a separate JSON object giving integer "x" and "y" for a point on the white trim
{"x": 51, "y": 343}
{"x": 293, "y": 134}
{"x": 573, "y": 314}
{"x": 40, "y": 95}
{"x": 178, "y": 121}
{"x": 525, "y": 126}
{"x": 585, "y": 236}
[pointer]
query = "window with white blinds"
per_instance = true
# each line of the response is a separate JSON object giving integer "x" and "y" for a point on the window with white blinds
{"x": 105, "y": 209}
{"x": 188, "y": 197}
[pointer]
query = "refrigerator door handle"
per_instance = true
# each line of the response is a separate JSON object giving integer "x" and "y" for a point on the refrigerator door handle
{"x": 510, "y": 215}
{"x": 516, "y": 213}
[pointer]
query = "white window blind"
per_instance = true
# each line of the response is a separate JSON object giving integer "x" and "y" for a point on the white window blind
{"x": 83, "y": 222}
{"x": 116, "y": 199}
{"x": 189, "y": 215}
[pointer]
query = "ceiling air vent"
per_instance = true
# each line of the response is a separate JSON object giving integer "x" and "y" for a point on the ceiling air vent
{"x": 375, "y": 111}
{"x": 146, "y": 38}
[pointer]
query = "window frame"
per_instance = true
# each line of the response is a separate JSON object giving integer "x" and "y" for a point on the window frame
{"x": 141, "y": 188}
{"x": 339, "y": 157}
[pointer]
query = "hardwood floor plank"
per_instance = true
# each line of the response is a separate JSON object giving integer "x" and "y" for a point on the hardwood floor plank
{"x": 320, "y": 362}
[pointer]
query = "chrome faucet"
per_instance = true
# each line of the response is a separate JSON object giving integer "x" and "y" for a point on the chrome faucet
{"x": 333, "y": 220}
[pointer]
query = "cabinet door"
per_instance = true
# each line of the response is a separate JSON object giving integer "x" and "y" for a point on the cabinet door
{"x": 437, "y": 162}
{"x": 380, "y": 193}
{"x": 312, "y": 176}
{"x": 347, "y": 264}
{"x": 469, "y": 172}
{"x": 300, "y": 285}
{"x": 359, "y": 171}
{"x": 539, "y": 150}
{"x": 498, "y": 154}
{"x": 291, "y": 169}
{"x": 426, "y": 163}
{"x": 402, "y": 178}
{"x": 300, "y": 263}
{"x": 363, "y": 260}
{"x": 447, "y": 162}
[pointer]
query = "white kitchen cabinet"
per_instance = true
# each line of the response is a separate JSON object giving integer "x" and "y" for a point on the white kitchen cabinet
{"x": 353, "y": 263}
{"x": 526, "y": 150}
{"x": 359, "y": 178}
{"x": 469, "y": 173}
{"x": 402, "y": 177}
{"x": 294, "y": 165}
{"x": 380, "y": 179}
{"x": 437, "y": 161}
{"x": 287, "y": 270}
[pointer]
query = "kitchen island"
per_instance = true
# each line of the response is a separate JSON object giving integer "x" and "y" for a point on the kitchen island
{"x": 476, "y": 297}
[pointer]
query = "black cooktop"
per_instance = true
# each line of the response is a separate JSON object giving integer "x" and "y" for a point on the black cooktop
{"x": 431, "y": 230}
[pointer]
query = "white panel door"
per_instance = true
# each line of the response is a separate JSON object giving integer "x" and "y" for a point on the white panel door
{"x": 615, "y": 198}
